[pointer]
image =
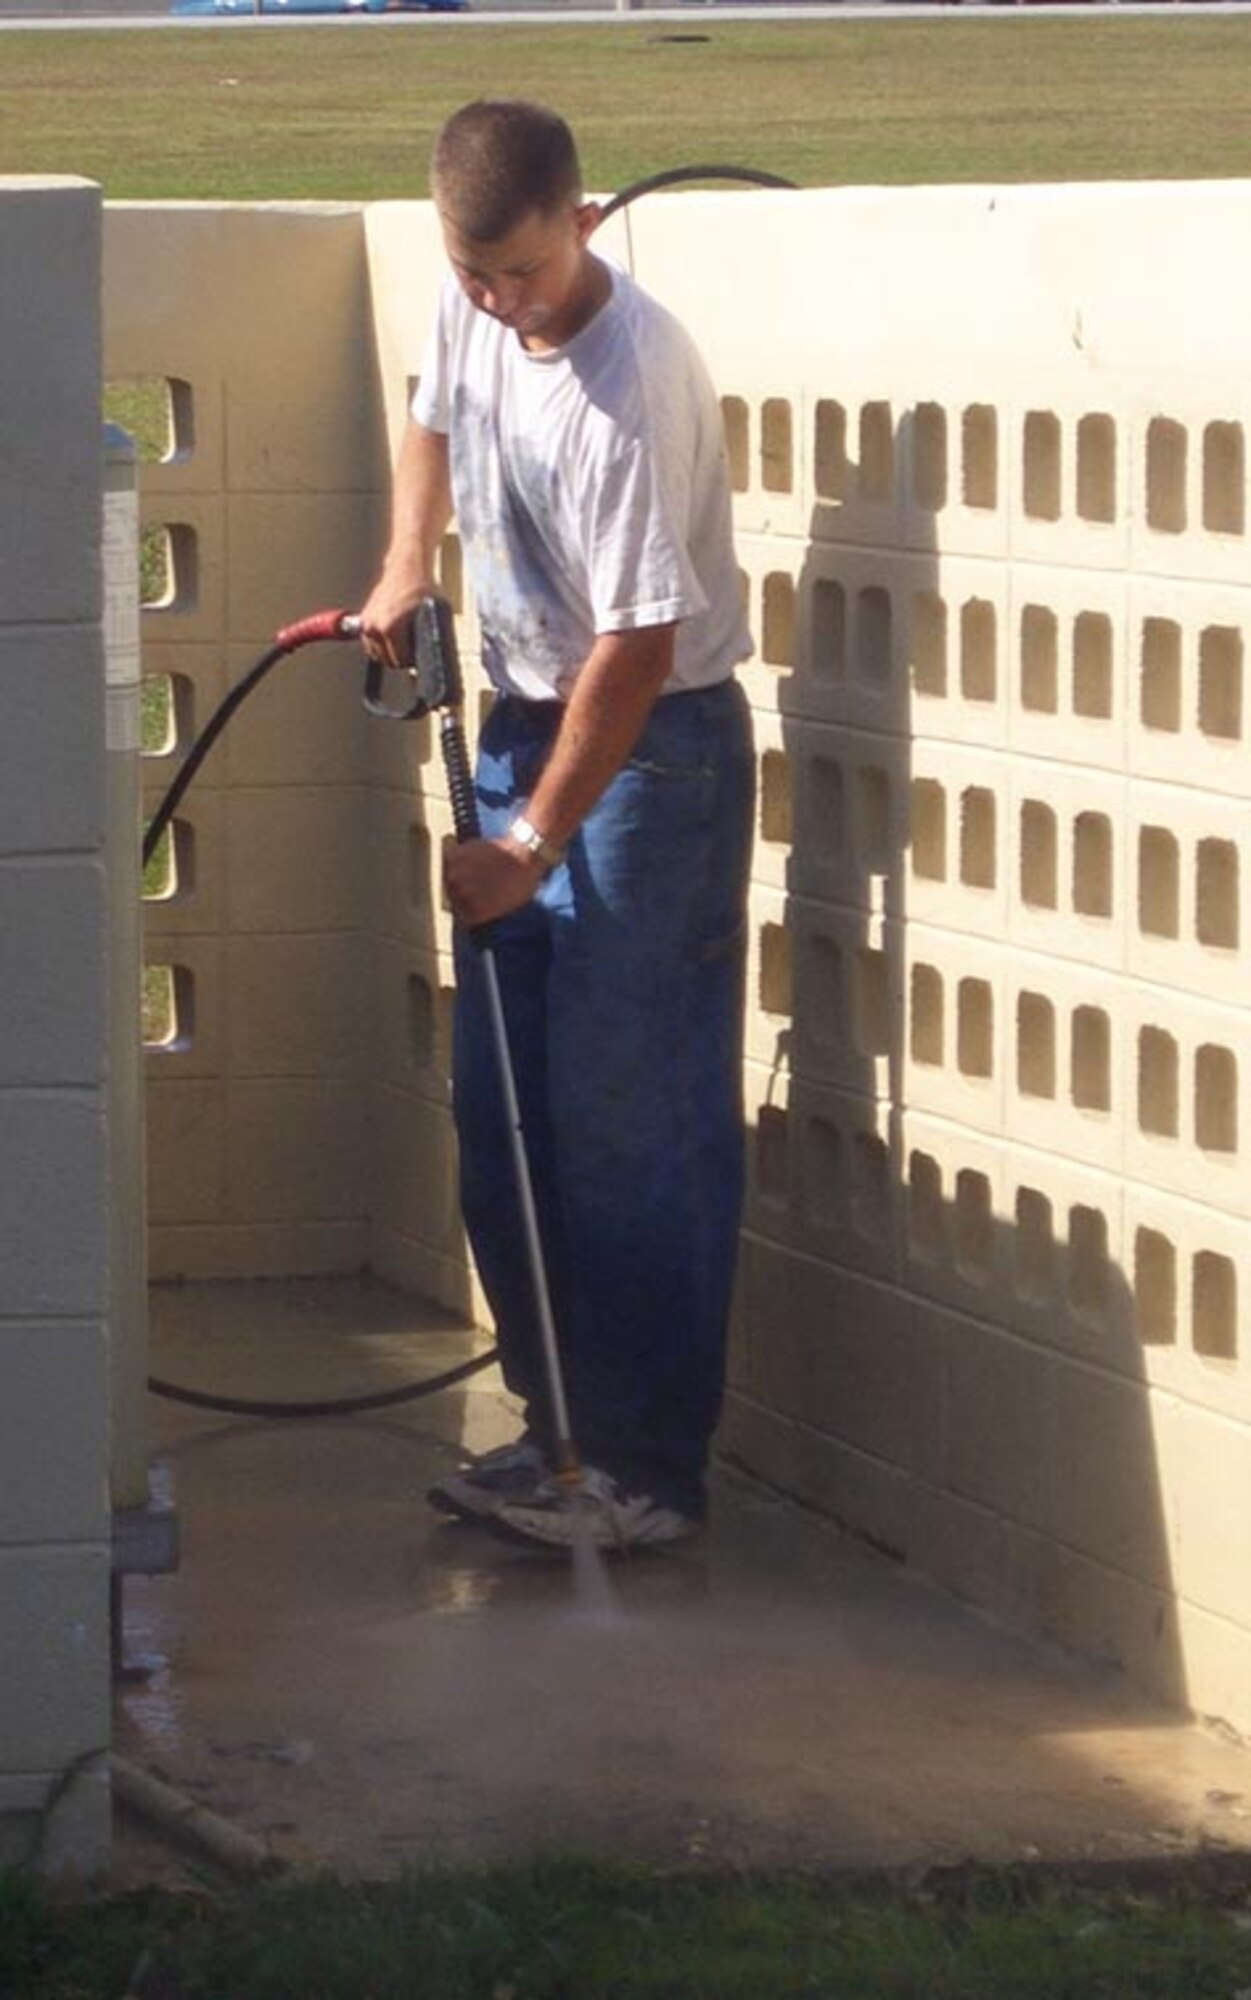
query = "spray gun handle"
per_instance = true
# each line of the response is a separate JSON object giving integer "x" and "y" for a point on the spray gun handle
{"x": 437, "y": 685}
{"x": 436, "y": 658}
{"x": 434, "y": 677}
{"x": 438, "y": 669}
{"x": 372, "y": 696}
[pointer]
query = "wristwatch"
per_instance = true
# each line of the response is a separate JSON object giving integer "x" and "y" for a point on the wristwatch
{"x": 529, "y": 836}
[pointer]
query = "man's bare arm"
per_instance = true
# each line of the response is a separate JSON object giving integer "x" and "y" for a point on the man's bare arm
{"x": 421, "y": 508}
{"x": 611, "y": 700}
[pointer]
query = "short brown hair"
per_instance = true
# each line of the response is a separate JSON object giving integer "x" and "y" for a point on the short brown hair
{"x": 497, "y": 161}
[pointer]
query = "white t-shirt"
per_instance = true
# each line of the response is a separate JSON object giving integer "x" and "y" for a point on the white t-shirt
{"x": 590, "y": 488}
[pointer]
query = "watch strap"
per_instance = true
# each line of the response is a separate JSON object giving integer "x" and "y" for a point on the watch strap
{"x": 528, "y": 835}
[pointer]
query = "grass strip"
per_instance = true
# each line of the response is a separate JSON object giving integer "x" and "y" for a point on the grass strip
{"x": 566, "y": 1927}
{"x": 348, "y": 112}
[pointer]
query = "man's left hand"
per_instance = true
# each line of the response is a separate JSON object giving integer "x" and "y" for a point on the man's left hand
{"x": 485, "y": 879}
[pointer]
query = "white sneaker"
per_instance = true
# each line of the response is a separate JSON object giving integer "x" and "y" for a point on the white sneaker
{"x": 559, "y": 1513}
{"x": 475, "y": 1491}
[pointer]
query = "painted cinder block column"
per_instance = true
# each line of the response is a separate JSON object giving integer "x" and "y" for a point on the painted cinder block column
{"x": 54, "y": 1511}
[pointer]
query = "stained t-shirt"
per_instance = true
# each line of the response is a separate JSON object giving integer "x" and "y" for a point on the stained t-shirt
{"x": 590, "y": 488}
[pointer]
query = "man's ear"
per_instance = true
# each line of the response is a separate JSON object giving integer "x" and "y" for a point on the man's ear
{"x": 588, "y": 215}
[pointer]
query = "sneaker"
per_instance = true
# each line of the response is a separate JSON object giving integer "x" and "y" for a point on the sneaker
{"x": 560, "y": 1514}
{"x": 473, "y": 1493}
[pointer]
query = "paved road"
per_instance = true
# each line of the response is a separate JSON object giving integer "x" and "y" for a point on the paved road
{"x": 93, "y": 13}
{"x": 68, "y": 14}
{"x": 125, "y": 13}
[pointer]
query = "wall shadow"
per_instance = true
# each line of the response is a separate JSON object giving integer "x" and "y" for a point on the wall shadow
{"x": 938, "y": 1340}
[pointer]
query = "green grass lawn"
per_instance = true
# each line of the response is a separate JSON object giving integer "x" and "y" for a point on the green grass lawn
{"x": 569, "y": 1930}
{"x": 349, "y": 112}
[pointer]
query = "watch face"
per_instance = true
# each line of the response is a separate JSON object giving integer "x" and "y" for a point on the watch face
{"x": 529, "y": 837}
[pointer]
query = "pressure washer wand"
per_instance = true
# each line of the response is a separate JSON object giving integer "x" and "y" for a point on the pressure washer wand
{"x": 437, "y": 668}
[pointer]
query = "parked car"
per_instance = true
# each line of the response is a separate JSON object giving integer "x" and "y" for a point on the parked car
{"x": 220, "y": 7}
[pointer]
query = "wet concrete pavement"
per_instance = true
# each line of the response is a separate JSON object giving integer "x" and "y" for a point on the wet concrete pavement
{"x": 361, "y": 1683}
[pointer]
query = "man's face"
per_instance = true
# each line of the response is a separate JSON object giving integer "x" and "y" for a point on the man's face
{"x": 536, "y": 280}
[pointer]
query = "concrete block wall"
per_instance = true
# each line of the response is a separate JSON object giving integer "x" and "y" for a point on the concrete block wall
{"x": 54, "y": 1442}
{"x": 272, "y": 496}
{"x": 989, "y": 456}
{"x": 992, "y": 501}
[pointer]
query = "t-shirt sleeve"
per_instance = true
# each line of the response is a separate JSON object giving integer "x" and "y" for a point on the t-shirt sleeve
{"x": 639, "y": 568}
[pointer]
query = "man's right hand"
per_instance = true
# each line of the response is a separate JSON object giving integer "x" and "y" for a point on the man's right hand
{"x": 387, "y": 619}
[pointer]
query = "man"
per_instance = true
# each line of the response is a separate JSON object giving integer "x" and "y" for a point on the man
{"x": 567, "y": 421}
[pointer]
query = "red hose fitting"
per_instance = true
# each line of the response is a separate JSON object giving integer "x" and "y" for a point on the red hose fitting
{"x": 319, "y": 625}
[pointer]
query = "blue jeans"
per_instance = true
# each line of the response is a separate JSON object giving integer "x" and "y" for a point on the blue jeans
{"x": 623, "y": 991}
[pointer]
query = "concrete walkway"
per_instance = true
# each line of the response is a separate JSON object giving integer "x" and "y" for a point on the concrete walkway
{"x": 359, "y": 1682}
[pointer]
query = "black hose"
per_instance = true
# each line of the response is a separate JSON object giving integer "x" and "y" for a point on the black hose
{"x": 323, "y": 626}
{"x": 203, "y": 744}
{"x": 242, "y": 1406}
{"x": 674, "y": 176}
